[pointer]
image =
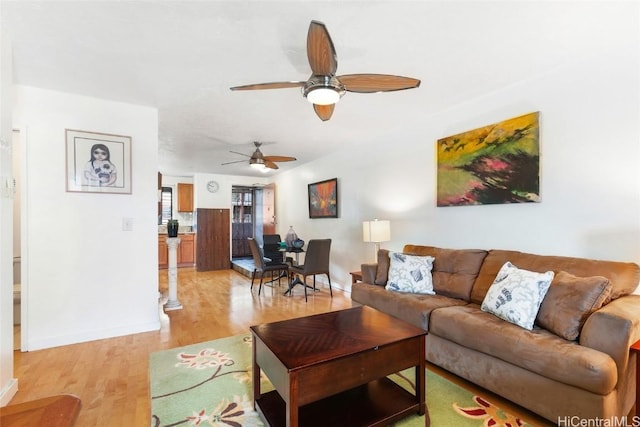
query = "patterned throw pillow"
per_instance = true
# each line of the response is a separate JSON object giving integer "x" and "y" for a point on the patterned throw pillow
{"x": 516, "y": 295}
{"x": 410, "y": 273}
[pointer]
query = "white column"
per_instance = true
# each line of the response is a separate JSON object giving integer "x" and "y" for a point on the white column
{"x": 173, "y": 303}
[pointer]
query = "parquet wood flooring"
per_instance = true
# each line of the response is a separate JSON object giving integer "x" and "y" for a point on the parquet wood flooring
{"x": 111, "y": 376}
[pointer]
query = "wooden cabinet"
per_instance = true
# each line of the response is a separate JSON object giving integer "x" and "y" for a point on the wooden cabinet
{"x": 163, "y": 252}
{"x": 186, "y": 250}
{"x": 186, "y": 256}
{"x": 185, "y": 197}
{"x": 213, "y": 239}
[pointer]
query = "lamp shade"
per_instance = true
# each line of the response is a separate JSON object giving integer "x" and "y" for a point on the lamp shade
{"x": 376, "y": 231}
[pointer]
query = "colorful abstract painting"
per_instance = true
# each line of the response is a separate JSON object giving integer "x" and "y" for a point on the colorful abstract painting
{"x": 323, "y": 199}
{"x": 495, "y": 164}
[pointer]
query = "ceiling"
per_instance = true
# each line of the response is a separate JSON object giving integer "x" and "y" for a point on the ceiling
{"x": 182, "y": 58}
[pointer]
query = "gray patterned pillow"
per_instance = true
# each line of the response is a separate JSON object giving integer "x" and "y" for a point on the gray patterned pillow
{"x": 516, "y": 295}
{"x": 410, "y": 273}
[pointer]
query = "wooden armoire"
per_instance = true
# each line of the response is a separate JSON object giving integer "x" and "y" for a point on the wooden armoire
{"x": 213, "y": 239}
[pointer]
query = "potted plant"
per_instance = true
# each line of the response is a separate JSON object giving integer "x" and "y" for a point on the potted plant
{"x": 172, "y": 228}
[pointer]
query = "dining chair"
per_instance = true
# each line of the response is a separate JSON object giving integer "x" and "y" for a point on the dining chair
{"x": 272, "y": 248}
{"x": 261, "y": 267}
{"x": 316, "y": 261}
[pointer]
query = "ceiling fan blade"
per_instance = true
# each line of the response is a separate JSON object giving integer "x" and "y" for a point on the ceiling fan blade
{"x": 320, "y": 51}
{"x": 369, "y": 83}
{"x": 273, "y": 85}
{"x": 242, "y": 154}
{"x": 270, "y": 165}
{"x": 235, "y": 161}
{"x": 324, "y": 111}
{"x": 279, "y": 158}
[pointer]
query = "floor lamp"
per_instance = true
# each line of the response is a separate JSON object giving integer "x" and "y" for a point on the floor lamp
{"x": 376, "y": 231}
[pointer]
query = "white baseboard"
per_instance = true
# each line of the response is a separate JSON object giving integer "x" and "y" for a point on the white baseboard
{"x": 49, "y": 342}
{"x": 8, "y": 392}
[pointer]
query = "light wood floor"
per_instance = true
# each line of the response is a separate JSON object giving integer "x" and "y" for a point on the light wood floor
{"x": 111, "y": 376}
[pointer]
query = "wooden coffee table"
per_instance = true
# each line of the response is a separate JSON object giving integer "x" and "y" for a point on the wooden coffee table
{"x": 331, "y": 369}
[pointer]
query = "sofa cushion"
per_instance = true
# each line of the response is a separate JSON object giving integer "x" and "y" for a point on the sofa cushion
{"x": 454, "y": 270}
{"x": 516, "y": 295}
{"x": 412, "y": 308}
{"x": 538, "y": 350}
{"x": 382, "y": 272}
{"x": 569, "y": 301}
{"x": 410, "y": 273}
{"x": 624, "y": 276}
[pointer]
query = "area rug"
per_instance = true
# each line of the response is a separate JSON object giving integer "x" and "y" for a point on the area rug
{"x": 209, "y": 384}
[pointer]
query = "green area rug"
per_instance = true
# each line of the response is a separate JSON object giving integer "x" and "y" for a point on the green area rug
{"x": 209, "y": 384}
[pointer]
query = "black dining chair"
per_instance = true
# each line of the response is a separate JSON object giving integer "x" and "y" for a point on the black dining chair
{"x": 261, "y": 267}
{"x": 316, "y": 261}
{"x": 271, "y": 248}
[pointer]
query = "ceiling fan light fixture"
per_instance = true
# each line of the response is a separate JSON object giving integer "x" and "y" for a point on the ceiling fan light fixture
{"x": 323, "y": 96}
{"x": 323, "y": 90}
{"x": 258, "y": 163}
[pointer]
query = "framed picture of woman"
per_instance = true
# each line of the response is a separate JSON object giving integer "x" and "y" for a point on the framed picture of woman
{"x": 98, "y": 162}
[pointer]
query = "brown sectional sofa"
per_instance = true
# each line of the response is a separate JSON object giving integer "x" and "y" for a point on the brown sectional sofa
{"x": 590, "y": 377}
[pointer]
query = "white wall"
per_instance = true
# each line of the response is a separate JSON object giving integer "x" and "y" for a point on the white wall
{"x": 221, "y": 198}
{"x": 86, "y": 278}
{"x": 590, "y": 151}
{"x": 8, "y": 385}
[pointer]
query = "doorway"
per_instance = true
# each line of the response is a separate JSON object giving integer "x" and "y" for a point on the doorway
{"x": 17, "y": 241}
{"x": 253, "y": 214}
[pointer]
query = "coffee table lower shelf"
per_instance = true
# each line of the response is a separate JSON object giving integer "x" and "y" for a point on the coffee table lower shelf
{"x": 377, "y": 403}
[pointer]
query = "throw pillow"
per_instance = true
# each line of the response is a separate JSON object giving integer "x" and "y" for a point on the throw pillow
{"x": 569, "y": 302}
{"x": 516, "y": 295}
{"x": 410, "y": 273}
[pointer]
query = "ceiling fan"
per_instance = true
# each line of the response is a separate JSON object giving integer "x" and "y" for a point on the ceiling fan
{"x": 260, "y": 161}
{"x": 323, "y": 88}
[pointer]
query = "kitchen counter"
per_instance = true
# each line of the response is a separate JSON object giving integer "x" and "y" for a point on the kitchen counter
{"x": 164, "y": 233}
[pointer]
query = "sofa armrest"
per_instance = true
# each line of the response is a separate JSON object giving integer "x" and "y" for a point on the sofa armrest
{"x": 369, "y": 272}
{"x": 613, "y": 329}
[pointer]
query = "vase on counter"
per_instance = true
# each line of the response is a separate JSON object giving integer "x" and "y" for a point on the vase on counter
{"x": 172, "y": 228}
{"x": 291, "y": 237}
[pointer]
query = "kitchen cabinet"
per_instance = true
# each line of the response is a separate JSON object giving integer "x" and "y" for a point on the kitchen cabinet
{"x": 186, "y": 250}
{"x": 186, "y": 255}
{"x": 185, "y": 197}
{"x": 163, "y": 252}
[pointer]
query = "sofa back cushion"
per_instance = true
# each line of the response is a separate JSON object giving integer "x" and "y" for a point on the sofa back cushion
{"x": 570, "y": 301}
{"x": 454, "y": 270}
{"x": 624, "y": 276}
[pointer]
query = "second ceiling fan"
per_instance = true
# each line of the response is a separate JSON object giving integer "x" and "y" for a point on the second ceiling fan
{"x": 260, "y": 161}
{"x": 323, "y": 89}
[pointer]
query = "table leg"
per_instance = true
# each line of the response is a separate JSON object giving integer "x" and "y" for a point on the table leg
{"x": 256, "y": 375}
{"x": 292, "y": 403}
{"x": 421, "y": 383}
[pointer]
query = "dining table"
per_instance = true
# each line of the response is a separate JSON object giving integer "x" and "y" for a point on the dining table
{"x": 296, "y": 280}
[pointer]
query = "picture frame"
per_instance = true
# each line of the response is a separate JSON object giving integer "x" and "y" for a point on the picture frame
{"x": 323, "y": 199}
{"x": 97, "y": 162}
{"x": 495, "y": 164}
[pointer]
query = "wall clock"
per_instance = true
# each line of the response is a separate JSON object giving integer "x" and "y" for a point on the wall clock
{"x": 213, "y": 186}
